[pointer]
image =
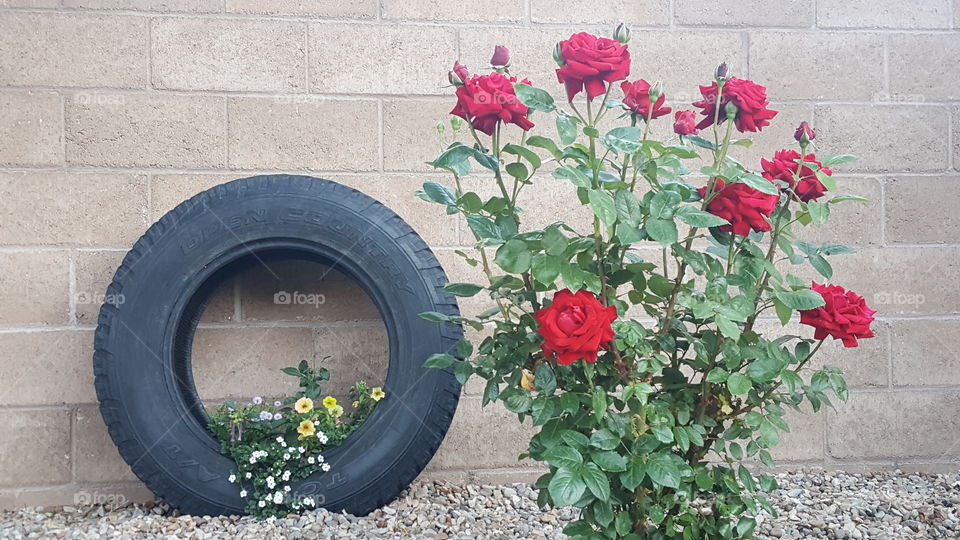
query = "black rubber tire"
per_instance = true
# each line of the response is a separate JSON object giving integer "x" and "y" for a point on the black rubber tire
{"x": 142, "y": 346}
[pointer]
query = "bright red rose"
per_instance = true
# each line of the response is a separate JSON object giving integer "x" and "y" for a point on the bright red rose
{"x": 845, "y": 316}
{"x": 484, "y": 100}
{"x": 744, "y": 207}
{"x": 785, "y": 163}
{"x": 589, "y": 62}
{"x": 575, "y": 326}
{"x": 749, "y": 97}
{"x": 685, "y": 123}
{"x": 636, "y": 97}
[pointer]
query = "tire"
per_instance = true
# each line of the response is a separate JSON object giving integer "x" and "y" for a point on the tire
{"x": 142, "y": 345}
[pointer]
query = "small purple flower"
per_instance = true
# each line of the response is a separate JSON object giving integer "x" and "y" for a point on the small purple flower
{"x": 278, "y": 416}
{"x": 257, "y": 400}
{"x": 266, "y": 415}
{"x": 277, "y": 403}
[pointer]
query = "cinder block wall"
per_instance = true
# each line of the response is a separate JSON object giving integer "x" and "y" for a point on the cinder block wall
{"x": 112, "y": 112}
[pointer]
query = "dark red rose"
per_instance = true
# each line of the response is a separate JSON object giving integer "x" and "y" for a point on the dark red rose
{"x": 845, "y": 316}
{"x": 749, "y": 97}
{"x": 744, "y": 207}
{"x": 589, "y": 62}
{"x": 485, "y": 100}
{"x": 685, "y": 123}
{"x": 459, "y": 74}
{"x": 785, "y": 163}
{"x": 636, "y": 97}
{"x": 501, "y": 57}
{"x": 804, "y": 133}
{"x": 575, "y": 326}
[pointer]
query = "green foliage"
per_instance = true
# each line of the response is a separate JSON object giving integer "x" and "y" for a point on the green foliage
{"x": 647, "y": 441}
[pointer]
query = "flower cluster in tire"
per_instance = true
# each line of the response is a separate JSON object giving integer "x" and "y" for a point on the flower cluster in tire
{"x": 274, "y": 444}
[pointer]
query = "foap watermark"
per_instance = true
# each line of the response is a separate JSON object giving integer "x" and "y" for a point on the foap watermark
{"x": 98, "y": 98}
{"x": 898, "y": 99}
{"x": 85, "y": 297}
{"x": 898, "y": 298}
{"x": 86, "y": 498}
{"x": 296, "y": 298}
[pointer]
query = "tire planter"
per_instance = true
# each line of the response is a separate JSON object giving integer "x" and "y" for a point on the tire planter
{"x": 142, "y": 364}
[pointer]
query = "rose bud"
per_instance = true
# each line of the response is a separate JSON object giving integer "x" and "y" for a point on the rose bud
{"x": 804, "y": 133}
{"x": 459, "y": 74}
{"x": 501, "y": 57}
{"x": 622, "y": 33}
{"x": 685, "y": 123}
{"x": 558, "y": 56}
{"x": 721, "y": 71}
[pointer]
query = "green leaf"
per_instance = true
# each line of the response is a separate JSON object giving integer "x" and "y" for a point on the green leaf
{"x": 663, "y": 204}
{"x": 717, "y": 375}
{"x": 599, "y": 402}
{"x": 545, "y": 143}
{"x": 760, "y": 184}
{"x": 291, "y": 371}
{"x": 434, "y": 316}
{"x": 698, "y": 218}
{"x": 663, "y": 231}
{"x": 628, "y": 207}
{"x": 566, "y": 128}
{"x": 456, "y": 159}
{"x": 463, "y": 371}
{"x": 844, "y": 198}
{"x": 542, "y": 410}
{"x": 746, "y": 526}
{"x": 821, "y": 265}
{"x": 836, "y": 159}
{"x": 575, "y": 438}
{"x": 462, "y": 289}
{"x": 525, "y": 153}
{"x": 783, "y": 312}
{"x": 484, "y": 228}
{"x": 801, "y": 300}
{"x": 603, "y": 513}
{"x": 464, "y": 348}
{"x": 696, "y": 140}
{"x": 518, "y": 170}
{"x": 518, "y": 402}
{"x": 634, "y": 474}
{"x": 739, "y": 384}
{"x": 818, "y": 212}
{"x": 663, "y": 470}
{"x": 545, "y": 268}
{"x": 727, "y": 327}
{"x": 603, "y": 207}
{"x": 491, "y": 391}
{"x": 535, "y": 98}
{"x": 554, "y": 242}
{"x": 566, "y": 487}
{"x": 596, "y": 481}
{"x": 544, "y": 379}
{"x": 438, "y": 193}
{"x": 514, "y": 257}
{"x": 610, "y": 461}
{"x": 439, "y": 361}
{"x": 623, "y": 139}
{"x": 575, "y": 175}
{"x": 604, "y": 439}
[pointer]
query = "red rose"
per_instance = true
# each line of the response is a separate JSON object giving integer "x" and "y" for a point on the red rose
{"x": 590, "y": 61}
{"x": 749, "y": 97}
{"x": 684, "y": 123}
{"x": 636, "y": 97}
{"x": 744, "y": 207}
{"x": 845, "y": 316}
{"x": 575, "y": 326}
{"x": 501, "y": 57}
{"x": 804, "y": 133}
{"x": 785, "y": 163}
{"x": 459, "y": 74}
{"x": 485, "y": 100}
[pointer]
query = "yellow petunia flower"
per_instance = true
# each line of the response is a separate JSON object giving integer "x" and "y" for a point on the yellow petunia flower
{"x": 305, "y": 429}
{"x": 377, "y": 394}
{"x": 336, "y": 411}
{"x": 303, "y": 405}
{"x": 329, "y": 402}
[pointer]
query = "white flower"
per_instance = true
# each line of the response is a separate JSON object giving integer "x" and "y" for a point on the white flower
{"x": 257, "y": 400}
{"x": 325, "y": 467}
{"x": 271, "y": 519}
{"x": 308, "y": 501}
{"x": 286, "y": 488}
{"x": 279, "y": 439}
{"x": 286, "y": 456}
{"x": 232, "y": 478}
{"x": 301, "y": 449}
{"x": 261, "y": 504}
{"x": 286, "y": 476}
{"x": 278, "y": 497}
{"x": 320, "y": 458}
{"x": 243, "y": 493}
{"x": 271, "y": 482}
{"x": 310, "y": 460}
{"x": 253, "y": 459}
{"x": 248, "y": 476}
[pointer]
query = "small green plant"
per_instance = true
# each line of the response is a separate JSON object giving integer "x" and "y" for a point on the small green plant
{"x": 275, "y": 444}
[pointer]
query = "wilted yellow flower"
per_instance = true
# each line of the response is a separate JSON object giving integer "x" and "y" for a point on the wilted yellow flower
{"x": 336, "y": 411}
{"x": 305, "y": 429}
{"x": 377, "y": 394}
{"x": 526, "y": 382}
{"x": 303, "y": 405}
{"x": 329, "y": 402}
{"x": 355, "y": 404}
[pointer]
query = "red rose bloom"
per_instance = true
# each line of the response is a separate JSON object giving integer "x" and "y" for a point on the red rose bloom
{"x": 589, "y": 62}
{"x": 749, "y": 97}
{"x": 785, "y": 163}
{"x": 744, "y": 207}
{"x": 845, "y": 316}
{"x": 636, "y": 97}
{"x": 684, "y": 123}
{"x": 575, "y": 326}
{"x": 484, "y": 100}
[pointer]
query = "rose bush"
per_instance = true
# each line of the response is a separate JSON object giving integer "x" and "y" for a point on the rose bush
{"x": 634, "y": 343}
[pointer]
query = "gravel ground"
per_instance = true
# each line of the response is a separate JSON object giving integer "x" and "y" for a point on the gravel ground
{"x": 812, "y": 505}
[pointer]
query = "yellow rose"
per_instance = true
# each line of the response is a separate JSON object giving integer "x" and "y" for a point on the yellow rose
{"x": 305, "y": 429}
{"x": 526, "y": 382}
{"x": 377, "y": 394}
{"x": 329, "y": 402}
{"x": 303, "y": 405}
